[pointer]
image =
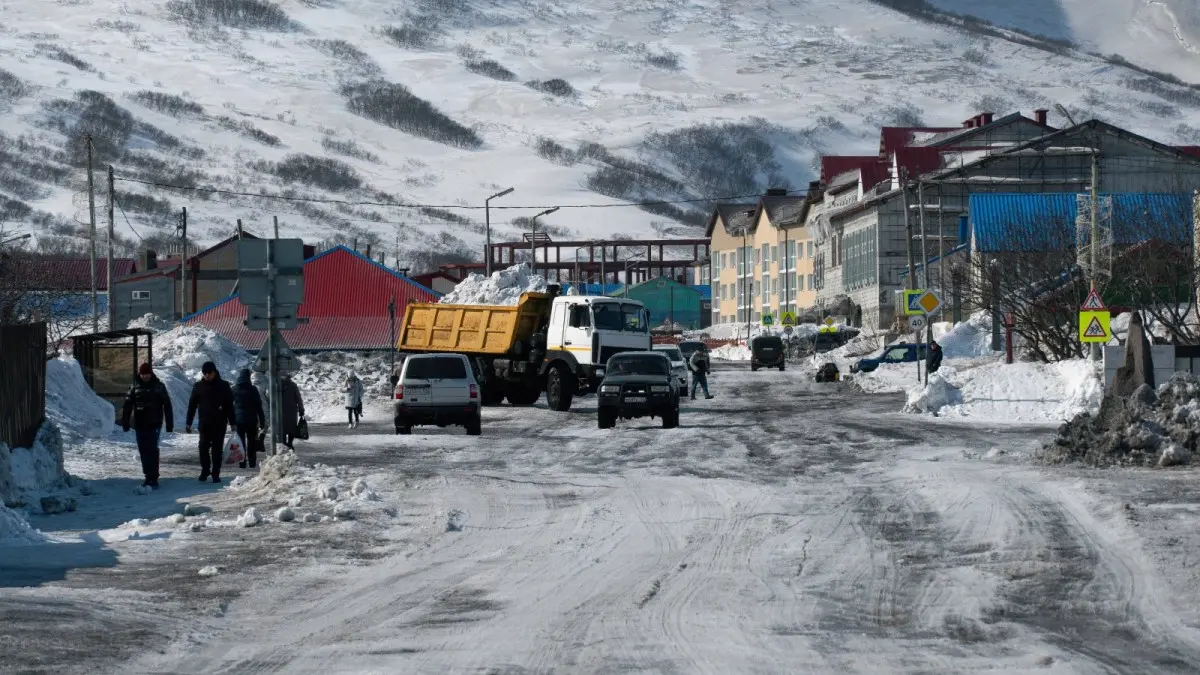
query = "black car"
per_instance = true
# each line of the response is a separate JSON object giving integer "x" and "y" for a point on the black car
{"x": 638, "y": 384}
{"x": 766, "y": 351}
{"x": 828, "y": 372}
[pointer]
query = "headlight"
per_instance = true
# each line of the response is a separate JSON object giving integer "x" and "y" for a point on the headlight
{"x": 609, "y": 389}
{"x": 659, "y": 389}
{"x": 600, "y": 372}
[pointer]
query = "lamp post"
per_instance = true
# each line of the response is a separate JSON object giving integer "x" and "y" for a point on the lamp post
{"x": 19, "y": 237}
{"x": 625, "y": 273}
{"x": 487, "y": 221}
{"x": 589, "y": 246}
{"x": 533, "y": 230}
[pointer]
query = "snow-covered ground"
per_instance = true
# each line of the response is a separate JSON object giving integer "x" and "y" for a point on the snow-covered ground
{"x": 229, "y": 106}
{"x": 782, "y": 518}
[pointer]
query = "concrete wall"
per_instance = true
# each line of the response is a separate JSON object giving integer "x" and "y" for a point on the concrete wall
{"x": 161, "y": 301}
{"x": 1163, "y": 357}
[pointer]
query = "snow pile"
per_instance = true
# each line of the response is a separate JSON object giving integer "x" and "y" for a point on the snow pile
{"x": 152, "y": 322}
{"x": 504, "y": 287}
{"x": 1147, "y": 428}
{"x": 731, "y": 353}
{"x": 14, "y": 529}
{"x": 282, "y": 480}
{"x": 938, "y": 393}
{"x": 322, "y": 375}
{"x": 188, "y": 347}
{"x": 1020, "y": 392}
{"x": 969, "y": 339}
{"x": 72, "y": 405}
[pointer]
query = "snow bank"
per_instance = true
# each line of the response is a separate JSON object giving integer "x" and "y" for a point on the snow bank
{"x": 731, "y": 353}
{"x": 72, "y": 405}
{"x": 15, "y": 530}
{"x": 1020, "y": 392}
{"x": 969, "y": 339}
{"x": 504, "y": 287}
{"x": 188, "y": 347}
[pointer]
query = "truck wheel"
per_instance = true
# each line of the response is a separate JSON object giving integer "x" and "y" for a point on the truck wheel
{"x": 670, "y": 418}
{"x": 560, "y": 389}
{"x": 754, "y": 369}
{"x": 523, "y": 395}
{"x": 474, "y": 426}
{"x": 606, "y": 418}
{"x": 403, "y": 431}
{"x": 492, "y": 394}
{"x": 781, "y": 367}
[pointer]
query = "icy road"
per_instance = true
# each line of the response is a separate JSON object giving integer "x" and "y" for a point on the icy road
{"x": 786, "y": 527}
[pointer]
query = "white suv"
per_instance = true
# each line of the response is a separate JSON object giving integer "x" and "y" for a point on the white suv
{"x": 437, "y": 389}
{"x": 679, "y": 369}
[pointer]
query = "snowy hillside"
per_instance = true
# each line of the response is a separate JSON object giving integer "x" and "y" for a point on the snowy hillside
{"x": 1163, "y": 35}
{"x": 439, "y": 103}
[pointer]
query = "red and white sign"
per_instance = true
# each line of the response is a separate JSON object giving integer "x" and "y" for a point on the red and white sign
{"x": 1093, "y": 302}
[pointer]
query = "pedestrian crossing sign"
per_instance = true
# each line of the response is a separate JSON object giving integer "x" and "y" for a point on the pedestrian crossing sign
{"x": 788, "y": 319}
{"x": 1095, "y": 326}
{"x": 912, "y": 299}
{"x": 768, "y": 319}
{"x": 1093, "y": 302}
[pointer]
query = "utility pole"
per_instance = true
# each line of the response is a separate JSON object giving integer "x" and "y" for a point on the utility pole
{"x": 924, "y": 272}
{"x": 1094, "y": 237}
{"x": 240, "y": 232}
{"x": 277, "y": 233}
{"x": 183, "y": 266}
{"x": 912, "y": 273}
{"x": 487, "y": 223}
{"x": 109, "y": 271}
{"x": 392, "y": 347}
{"x": 91, "y": 183}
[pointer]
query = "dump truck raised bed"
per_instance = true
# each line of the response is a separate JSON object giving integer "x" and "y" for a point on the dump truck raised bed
{"x": 547, "y": 342}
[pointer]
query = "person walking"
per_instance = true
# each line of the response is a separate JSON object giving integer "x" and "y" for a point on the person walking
{"x": 353, "y": 389}
{"x": 212, "y": 397}
{"x": 698, "y": 364}
{"x": 935, "y": 356}
{"x": 250, "y": 416}
{"x": 149, "y": 404}
{"x": 291, "y": 409}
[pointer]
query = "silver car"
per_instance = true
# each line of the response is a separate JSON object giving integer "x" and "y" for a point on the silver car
{"x": 679, "y": 370}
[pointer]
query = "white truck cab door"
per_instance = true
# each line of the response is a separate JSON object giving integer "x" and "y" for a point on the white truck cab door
{"x": 577, "y": 333}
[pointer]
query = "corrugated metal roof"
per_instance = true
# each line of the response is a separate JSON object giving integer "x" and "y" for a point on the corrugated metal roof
{"x": 346, "y": 299}
{"x": 1044, "y": 222}
{"x": 69, "y": 273}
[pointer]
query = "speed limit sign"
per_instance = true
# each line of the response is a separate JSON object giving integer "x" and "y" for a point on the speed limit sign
{"x": 916, "y": 322}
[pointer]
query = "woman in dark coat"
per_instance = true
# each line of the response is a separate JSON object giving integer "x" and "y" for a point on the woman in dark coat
{"x": 292, "y": 409}
{"x": 250, "y": 415}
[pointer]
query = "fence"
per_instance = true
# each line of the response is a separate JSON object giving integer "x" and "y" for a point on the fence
{"x": 22, "y": 383}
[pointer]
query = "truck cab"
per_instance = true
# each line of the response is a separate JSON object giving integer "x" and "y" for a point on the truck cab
{"x": 583, "y": 333}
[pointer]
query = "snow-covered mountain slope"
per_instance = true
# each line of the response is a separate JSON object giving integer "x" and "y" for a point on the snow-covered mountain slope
{"x": 442, "y": 102}
{"x": 1161, "y": 35}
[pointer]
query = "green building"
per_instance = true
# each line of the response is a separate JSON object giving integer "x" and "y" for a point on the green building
{"x": 667, "y": 299}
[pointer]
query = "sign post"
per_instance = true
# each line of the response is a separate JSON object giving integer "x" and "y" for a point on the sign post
{"x": 271, "y": 286}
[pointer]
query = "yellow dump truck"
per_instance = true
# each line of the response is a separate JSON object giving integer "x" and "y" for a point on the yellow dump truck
{"x": 546, "y": 342}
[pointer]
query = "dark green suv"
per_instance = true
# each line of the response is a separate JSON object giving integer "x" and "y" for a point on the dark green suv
{"x": 766, "y": 351}
{"x": 638, "y": 384}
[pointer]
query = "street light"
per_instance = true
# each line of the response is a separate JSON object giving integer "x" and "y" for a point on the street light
{"x": 533, "y": 230}
{"x": 19, "y": 237}
{"x": 628, "y": 264}
{"x": 487, "y": 221}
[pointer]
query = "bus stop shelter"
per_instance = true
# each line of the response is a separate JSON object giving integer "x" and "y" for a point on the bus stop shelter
{"x": 110, "y": 360}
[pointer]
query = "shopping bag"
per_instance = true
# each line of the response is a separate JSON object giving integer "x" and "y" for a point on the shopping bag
{"x": 302, "y": 429}
{"x": 234, "y": 452}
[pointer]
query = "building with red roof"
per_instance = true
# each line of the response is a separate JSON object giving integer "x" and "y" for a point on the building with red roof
{"x": 346, "y": 298}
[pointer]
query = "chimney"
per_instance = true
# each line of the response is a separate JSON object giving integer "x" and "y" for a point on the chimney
{"x": 149, "y": 260}
{"x": 988, "y": 117}
{"x": 777, "y": 192}
{"x": 978, "y": 121}
{"x": 1041, "y": 115}
{"x": 968, "y": 124}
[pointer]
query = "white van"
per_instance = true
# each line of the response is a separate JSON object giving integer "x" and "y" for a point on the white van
{"x": 437, "y": 389}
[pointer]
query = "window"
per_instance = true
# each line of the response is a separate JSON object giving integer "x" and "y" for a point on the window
{"x": 141, "y": 295}
{"x": 774, "y": 254}
{"x": 636, "y": 319}
{"x": 765, "y": 256}
{"x": 741, "y": 261}
{"x": 791, "y": 254}
{"x": 810, "y": 249}
{"x": 800, "y": 285}
{"x": 580, "y": 317}
{"x": 774, "y": 285}
{"x": 436, "y": 367}
{"x": 766, "y": 289}
{"x": 810, "y": 281}
{"x": 606, "y": 316}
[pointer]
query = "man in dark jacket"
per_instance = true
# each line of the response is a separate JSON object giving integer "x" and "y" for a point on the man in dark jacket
{"x": 935, "y": 357}
{"x": 699, "y": 365}
{"x": 249, "y": 415}
{"x": 213, "y": 399}
{"x": 149, "y": 404}
{"x": 291, "y": 406}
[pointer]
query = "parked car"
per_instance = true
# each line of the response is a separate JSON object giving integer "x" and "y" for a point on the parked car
{"x": 638, "y": 384}
{"x": 679, "y": 369}
{"x": 901, "y": 352}
{"x": 828, "y": 372}
{"x": 766, "y": 351}
{"x": 437, "y": 389}
{"x": 689, "y": 347}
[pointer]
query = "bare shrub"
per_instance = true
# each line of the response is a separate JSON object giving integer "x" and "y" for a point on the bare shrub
{"x": 1167, "y": 91}
{"x": 349, "y": 149}
{"x": 118, "y": 25}
{"x": 241, "y": 14}
{"x": 245, "y": 128}
{"x": 168, "y": 104}
{"x": 732, "y": 158}
{"x": 140, "y": 203}
{"x": 492, "y": 69}
{"x": 992, "y": 103}
{"x": 412, "y": 36}
{"x": 976, "y": 57}
{"x": 12, "y": 87}
{"x": 395, "y": 106}
{"x": 555, "y": 152}
{"x": 322, "y": 172}
{"x": 666, "y": 60}
{"x": 347, "y": 54}
{"x": 903, "y": 115}
{"x": 13, "y": 209}
{"x": 554, "y": 87}
{"x": 57, "y": 53}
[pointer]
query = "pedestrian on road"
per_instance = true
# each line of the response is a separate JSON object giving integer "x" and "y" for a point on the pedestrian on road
{"x": 149, "y": 404}
{"x": 698, "y": 364}
{"x": 353, "y": 389}
{"x": 291, "y": 407}
{"x": 935, "y": 356}
{"x": 250, "y": 417}
{"x": 212, "y": 397}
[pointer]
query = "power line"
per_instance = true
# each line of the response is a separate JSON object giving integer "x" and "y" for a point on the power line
{"x": 122, "y": 210}
{"x": 315, "y": 200}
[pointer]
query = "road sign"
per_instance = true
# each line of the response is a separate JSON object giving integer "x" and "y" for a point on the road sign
{"x": 285, "y": 358}
{"x": 829, "y": 327}
{"x": 787, "y": 330}
{"x": 911, "y": 298}
{"x": 829, "y": 321}
{"x": 1093, "y": 302}
{"x": 768, "y": 319}
{"x": 788, "y": 319}
{"x": 1095, "y": 326}
{"x": 287, "y": 257}
{"x": 929, "y": 302}
{"x": 916, "y": 322}
{"x": 285, "y": 317}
